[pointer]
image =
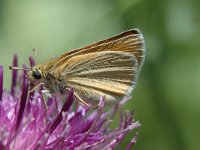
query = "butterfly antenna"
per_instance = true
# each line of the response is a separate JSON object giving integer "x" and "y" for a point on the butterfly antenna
{"x": 17, "y": 68}
{"x": 35, "y": 56}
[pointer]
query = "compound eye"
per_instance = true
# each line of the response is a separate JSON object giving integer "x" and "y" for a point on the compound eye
{"x": 36, "y": 74}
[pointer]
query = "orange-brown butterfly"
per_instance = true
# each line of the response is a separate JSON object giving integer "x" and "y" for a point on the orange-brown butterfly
{"x": 107, "y": 68}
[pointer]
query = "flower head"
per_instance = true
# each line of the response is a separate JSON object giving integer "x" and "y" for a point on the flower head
{"x": 29, "y": 121}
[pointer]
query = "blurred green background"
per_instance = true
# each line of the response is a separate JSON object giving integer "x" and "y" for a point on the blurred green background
{"x": 167, "y": 97}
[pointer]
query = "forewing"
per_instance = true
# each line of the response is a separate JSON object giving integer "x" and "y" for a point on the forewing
{"x": 130, "y": 42}
{"x": 108, "y": 73}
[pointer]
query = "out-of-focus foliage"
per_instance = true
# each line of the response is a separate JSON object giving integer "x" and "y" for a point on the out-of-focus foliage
{"x": 167, "y": 97}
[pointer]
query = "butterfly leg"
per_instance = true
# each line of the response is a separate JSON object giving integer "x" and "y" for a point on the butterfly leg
{"x": 36, "y": 87}
{"x": 80, "y": 100}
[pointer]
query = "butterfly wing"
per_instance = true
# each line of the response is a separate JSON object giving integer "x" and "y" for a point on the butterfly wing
{"x": 109, "y": 73}
{"x": 130, "y": 41}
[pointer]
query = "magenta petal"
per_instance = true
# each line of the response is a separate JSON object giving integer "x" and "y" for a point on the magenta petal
{"x": 133, "y": 141}
{"x": 14, "y": 74}
{"x": 65, "y": 107}
{"x": 31, "y": 61}
{"x": 1, "y": 82}
{"x": 22, "y": 104}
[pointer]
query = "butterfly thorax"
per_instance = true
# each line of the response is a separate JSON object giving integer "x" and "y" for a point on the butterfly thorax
{"x": 54, "y": 83}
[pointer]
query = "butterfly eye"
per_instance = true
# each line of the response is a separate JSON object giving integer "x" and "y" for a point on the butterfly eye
{"x": 36, "y": 74}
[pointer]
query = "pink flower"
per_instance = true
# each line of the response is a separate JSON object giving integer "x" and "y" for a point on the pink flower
{"x": 27, "y": 121}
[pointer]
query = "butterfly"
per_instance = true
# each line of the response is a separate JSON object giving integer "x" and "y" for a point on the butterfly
{"x": 108, "y": 68}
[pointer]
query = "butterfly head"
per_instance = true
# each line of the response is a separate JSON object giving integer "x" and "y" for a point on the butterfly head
{"x": 35, "y": 74}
